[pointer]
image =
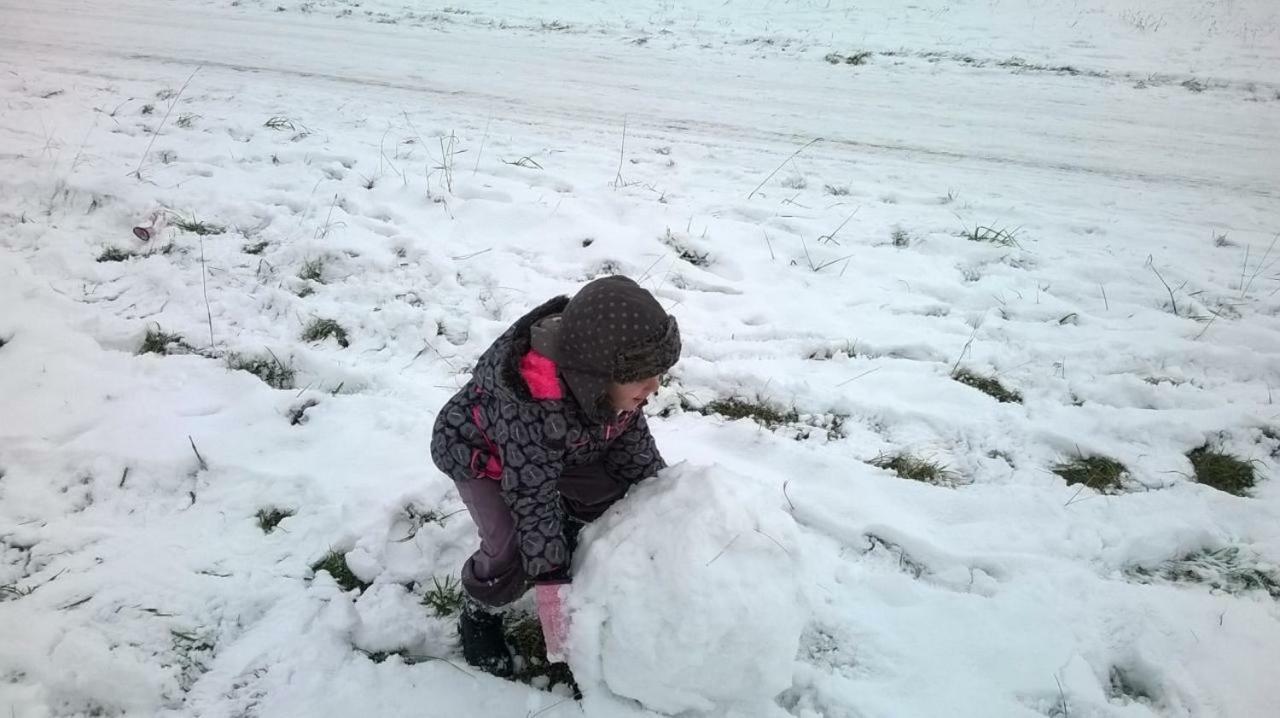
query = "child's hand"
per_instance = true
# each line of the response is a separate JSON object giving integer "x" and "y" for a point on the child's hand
{"x": 554, "y": 619}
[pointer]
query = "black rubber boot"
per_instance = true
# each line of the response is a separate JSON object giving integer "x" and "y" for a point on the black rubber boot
{"x": 484, "y": 644}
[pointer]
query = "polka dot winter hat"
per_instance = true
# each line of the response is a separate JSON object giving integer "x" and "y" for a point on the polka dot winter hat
{"x": 613, "y": 330}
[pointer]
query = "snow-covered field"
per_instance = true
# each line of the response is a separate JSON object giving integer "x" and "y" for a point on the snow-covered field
{"x": 1079, "y": 199}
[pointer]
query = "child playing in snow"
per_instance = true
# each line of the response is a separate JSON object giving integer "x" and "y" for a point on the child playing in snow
{"x": 546, "y": 435}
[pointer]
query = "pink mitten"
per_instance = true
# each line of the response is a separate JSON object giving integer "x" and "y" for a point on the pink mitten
{"x": 554, "y": 620}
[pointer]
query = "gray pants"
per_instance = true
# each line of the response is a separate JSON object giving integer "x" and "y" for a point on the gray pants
{"x": 494, "y": 575}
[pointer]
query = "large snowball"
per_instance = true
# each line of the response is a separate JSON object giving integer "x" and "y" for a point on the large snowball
{"x": 686, "y": 595}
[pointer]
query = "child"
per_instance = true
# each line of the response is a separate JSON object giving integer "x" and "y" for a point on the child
{"x": 546, "y": 435}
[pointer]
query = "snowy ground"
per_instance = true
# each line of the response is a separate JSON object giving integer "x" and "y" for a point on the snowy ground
{"x": 438, "y": 170}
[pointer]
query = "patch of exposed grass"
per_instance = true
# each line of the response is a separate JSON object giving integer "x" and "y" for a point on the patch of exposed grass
{"x": 757, "y": 411}
{"x": 280, "y": 123}
{"x": 524, "y": 635}
{"x": 858, "y": 58}
{"x": 158, "y": 341}
{"x": 915, "y": 468}
{"x": 320, "y": 329}
{"x": 275, "y": 373}
{"x": 114, "y": 254}
{"x": 444, "y": 598}
{"x": 335, "y": 563}
{"x": 1228, "y": 570}
{"x": 1097, "y": 472}
{"x": 199, "y": 227}
{"x": 1222, "y": 471}
{"x": 988, "y": 385}
{"x": 192, "y": 652}
{"x": 254, "y": 247}
{"x": 900, "y": 237}
{"x": 270, "y": 518}
{"x": 992, "y": 235}
{"x": 312, "y": 270}
{"x": 836, "y": 190}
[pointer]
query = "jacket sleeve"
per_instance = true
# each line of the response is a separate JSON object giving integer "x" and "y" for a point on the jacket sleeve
{"x": 634, "y": 455}
{"x": 531, "y": 467}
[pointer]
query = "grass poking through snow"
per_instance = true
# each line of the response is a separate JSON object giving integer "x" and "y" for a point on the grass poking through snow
{"x": 759, "y": 412}
{"x": 1222, "y": 471}
{"x": 1228, "y": 570}
{"x": 158, "y": 341}
{"x": 992, "y": 235}
{"x": 270, "y": 518}
{"x": 1096, "y": 472}
{"x": 320, "y": 329}
{"x": 114, "y": 254}
{"x": 988, "y": 385}
{"x": 196, "y": 226}
{"x": 312, "y": 270}
{"x": 275, "y": 373}
{"x": 444, "y": 598}
{"x": 335, "y": 564}
{"x": 915, "y": 468}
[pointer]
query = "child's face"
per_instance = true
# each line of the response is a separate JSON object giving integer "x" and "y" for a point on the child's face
{"x": 629, "y": 397}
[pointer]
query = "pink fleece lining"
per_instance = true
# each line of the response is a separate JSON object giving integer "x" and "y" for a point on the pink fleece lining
{"x": 539, "y": 373}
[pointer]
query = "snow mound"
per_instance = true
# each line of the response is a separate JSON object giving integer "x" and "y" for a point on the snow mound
{"x": 686, "y": 595}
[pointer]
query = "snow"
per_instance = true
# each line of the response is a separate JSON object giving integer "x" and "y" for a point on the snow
{"x": 688, "y": 598}
{"x": 136, "y": 581}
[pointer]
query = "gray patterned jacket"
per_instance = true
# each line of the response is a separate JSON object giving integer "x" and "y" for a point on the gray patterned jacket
{"x": 493, "y": 429}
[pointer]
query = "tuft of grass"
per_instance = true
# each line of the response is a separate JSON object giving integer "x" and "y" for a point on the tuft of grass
{"x": 254, "y": 248}
{"x": 1097, "y": 472}
{"x": 273, "y": 372}
{"x": 524, "y": 635}
{"x": 186, "y": 120}
{"x": 114, "y": 254}
{"x": 900, "y": 237}
{"x": 320, "y": 329}
{"x": 335, "y": 563}
{"x": 270, "y": 518}
{"x": 444, "y": 598}
{"x": 1227, "y": 570}
{"x": 915, "y": 468}
{"x": 858, "y": 58}
{"x": 312, "y": 270}
{"x": 148, "y": 109}
{"x": 280, "y": 123}
{"x": 992, "y": 235}
{"x": 759, "y": 412}
{"x": 836, "y": 190}
{"x": 158, "y": 341}
{"x": 1222, "y": 471}
{"x": 196, "y": 226}
{"x": 988, "y": 385}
